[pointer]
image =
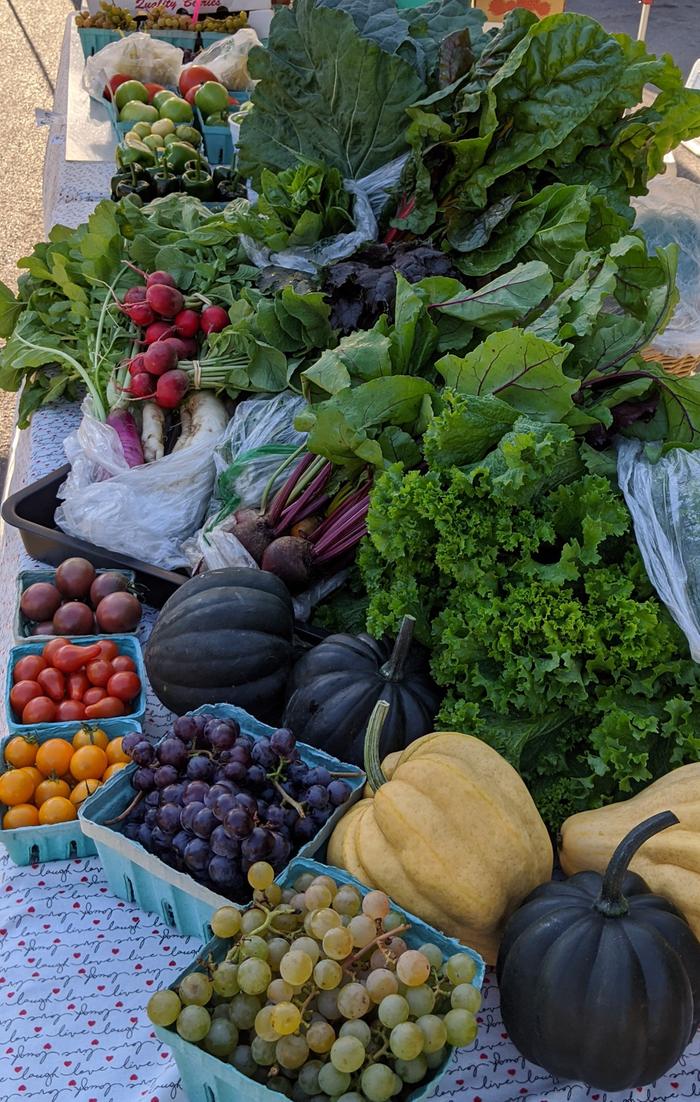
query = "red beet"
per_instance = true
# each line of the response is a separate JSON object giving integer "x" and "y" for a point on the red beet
{"x": 171, "y": 388}
{"x": 164, "y": 300}
{"x": 160, "y": 357}
{"x": 289, "y": 557}
{"x": 187, "y": 323}
{"x": 163, "y": 278}
{"x": 213, "y": 319}
{"x": 141, "y": 386}
{"x": 157, "y": 331}
{"x": 135, "y": 294}
{"x": 253, "y": 531}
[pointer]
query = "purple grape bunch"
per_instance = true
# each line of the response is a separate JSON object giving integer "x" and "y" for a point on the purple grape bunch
{"x": 215, "y": 801}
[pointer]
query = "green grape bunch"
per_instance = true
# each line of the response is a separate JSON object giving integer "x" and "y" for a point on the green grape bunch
{"x": 110, "y": 17}
{"x": 320, "y": 996}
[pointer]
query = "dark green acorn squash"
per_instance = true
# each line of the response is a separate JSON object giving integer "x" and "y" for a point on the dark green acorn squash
{"x": 225, "y": 637}
{"x": 335, "y": 686}
{"x": 600, "y": 979}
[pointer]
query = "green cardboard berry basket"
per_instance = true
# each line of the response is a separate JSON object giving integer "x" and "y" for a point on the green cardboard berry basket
{"x": 206, "y": 1078}
{"x": 140, "y": 877}
{"x": 25, "y": 578}
{"x": 128, "y": 644}
{"x": 61, "y": 841}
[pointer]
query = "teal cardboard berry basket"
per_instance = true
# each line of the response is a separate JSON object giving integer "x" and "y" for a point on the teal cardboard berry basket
{"x": 218, "y": 142}
{"x": 25, "y": 578}
{"x": 206, "y": 1078}
{"x": 128, "y": 644}
{"x": 61, "y": 841}
{"x": 140, "y": 877}
{"x": 93, "y": 39}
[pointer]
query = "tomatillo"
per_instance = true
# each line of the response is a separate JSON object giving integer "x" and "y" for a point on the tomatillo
{"x": 211, "y": 98}
{"x": 135, "y": 111}
{"x": 178, "y": 110}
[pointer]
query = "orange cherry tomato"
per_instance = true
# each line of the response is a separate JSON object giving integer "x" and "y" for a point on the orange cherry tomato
{"x": 53, "y": 683}
{"x": 115, "y": 753}
{"x": 53, "y": 756}
{"x": 90, "y": 736}
{"x": 108, "y": 650}
{"x": 21, "y": 815}
{"x": 16, "y": 787}
{"x": 108, "y": 708}
{"x": 36, "y": 774}
{"x": 41, "y": 709}
{"x": 112, "y": 769}
{"x": 52, "y": 646}
{"x": 57, "y": 810}
{"x": 77, "y": 683}
{"x": 93, "y": 695}
{"x": 99, "y": 672}
{"x": 84, "y": 789}
{"x": 123, "y": 664}
{"x": 49, "y": 788}
{"x": 68, "y": 711}
{"x": 21, "y": 751}
{"x": 28, "y": 668}
{"x": 125, "y": 686}
{"x": 88, "y": 763}
{"x": 22, "y": 693}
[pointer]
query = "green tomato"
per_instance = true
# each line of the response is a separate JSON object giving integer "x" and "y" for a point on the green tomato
{"x": 189, "y": 134}
{"x": 129, "y": 90}
{"x": 135, "y": 111}
{"x": 178, "y": 110}
{"x": 141, "y": 129}
{"x": 154, "y": 141}
{"x": 160, "y": 97}
{"x": 211, "y": 98}
{"x": 219, "y": 119}
{"x": 163, "y": 127}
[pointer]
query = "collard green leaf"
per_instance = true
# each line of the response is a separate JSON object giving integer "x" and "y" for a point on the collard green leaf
{"x": 504, "y": 301}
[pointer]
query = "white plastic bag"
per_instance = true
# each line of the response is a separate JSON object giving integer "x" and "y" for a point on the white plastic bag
{"x": 146, "y": 511}
{"x": 671, "y": 213}
{"x": 136, "y": 55}
{"x": 664, "y": 500}
{"x": 228, "y": 59}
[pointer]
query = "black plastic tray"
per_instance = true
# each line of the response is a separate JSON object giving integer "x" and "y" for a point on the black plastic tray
{"x": 32, "y": 511}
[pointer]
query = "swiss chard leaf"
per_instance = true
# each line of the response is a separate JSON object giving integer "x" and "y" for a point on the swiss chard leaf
{"x": 504, "y": 301}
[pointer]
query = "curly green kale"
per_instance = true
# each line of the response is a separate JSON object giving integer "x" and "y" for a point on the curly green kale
{"x": 525, "y": 580}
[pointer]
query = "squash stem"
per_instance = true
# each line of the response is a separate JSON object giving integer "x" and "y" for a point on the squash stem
{"x": 373, "y": 738}
{"x": 393, "y": 669}
{"x": 611, "y": 901}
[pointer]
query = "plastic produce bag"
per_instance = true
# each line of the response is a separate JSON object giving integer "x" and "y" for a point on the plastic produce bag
{"x": 136, "y": 55}
{"x": 228, "y": 59}
{"x": 146, "y": 512}
{"x": 370, "y": 196}
{"x": 671, "y": 213}
{"x": 664, "y": 500}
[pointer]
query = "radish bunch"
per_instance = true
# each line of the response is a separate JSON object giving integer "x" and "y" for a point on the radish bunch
{"x": 170, "y": 332}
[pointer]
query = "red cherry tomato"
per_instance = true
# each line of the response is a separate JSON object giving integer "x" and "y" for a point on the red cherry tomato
{"x": 123, "y": 664}
{"x": 99, "y": 672}
{"x": 53, "y": 683}
{"x": 52, "y": 646}
{"x": 39, "y": 710}
{"x": 93, "y": 695}
{"x": 108, "y": 708}
{"x": 22, "y": 693}
{"x": 108, "y": 650}
{"x": 70, "y": 710}
{"x": 78, "y": 684}
{"x": 28, "y": 668}
{"x": 126, "y": 686}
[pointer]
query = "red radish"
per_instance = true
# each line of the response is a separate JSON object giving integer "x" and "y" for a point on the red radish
{"x": 135, "y": 294}
{"x": 157, "y": 331}
{"x": 187, "y": 323}
{"x": 182, "y": 350}
{"x": 140, "y": 313}
{"x": 165, "y": 300}
{"x": 141, "y": 386}
{"x": 113, "y": 83}
{"x": 195, "y": 74}
{"x": 171, "y": 389}
{"x": 136, "y": 365}
{"x": 190, "y": 346}
{"x": 163, "y": 278}
{"x": 214, "y": 319}
{"x": 192, "y": 93}
{"x": 160, "y": 357}
{"x": 152, "y": 89}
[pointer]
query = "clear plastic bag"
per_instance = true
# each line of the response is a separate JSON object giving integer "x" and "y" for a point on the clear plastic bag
{"x": 664, "y": 500}
{"x": 671, "y": 213}
{"x": 370, "y": 196}
{"x": 147, "y": 511}
{"x": 228, "y": 59}
{"x": 136, "y": 55}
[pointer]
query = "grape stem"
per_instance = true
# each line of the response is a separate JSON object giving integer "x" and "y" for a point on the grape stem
{"x": 286, "y": 798}
{"x": 261, "y": 929}
{"x": 374, "y": 944}
{"x": 127, "y": 810}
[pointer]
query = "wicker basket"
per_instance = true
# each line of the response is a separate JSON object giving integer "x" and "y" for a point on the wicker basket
{"x": 683, "y": 366}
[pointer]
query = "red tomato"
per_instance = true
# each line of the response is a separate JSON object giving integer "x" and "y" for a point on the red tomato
{"x": 152, "y": 88}
{"x": 52, "y": 646}
{"x": 77, "y": 685}
{"x": 22, "y": 693}
{"x": 191, "y": 93}
{"x": 112, "y": 85}
{"x": 39, "y": 710}
{"x": 93, "y": 695}
{"x": 70, "y": 710}
{"x": 126, "y": 686}
{"x": 108, "y": 708}
{"x": 123, "y": 663}
{"x": 195, "y": 74}
{"x": 28, "y": 668}
{"x": 53, "y": 683}
{"x": 108, "y": 650}
{"x": 99, "y": 672}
